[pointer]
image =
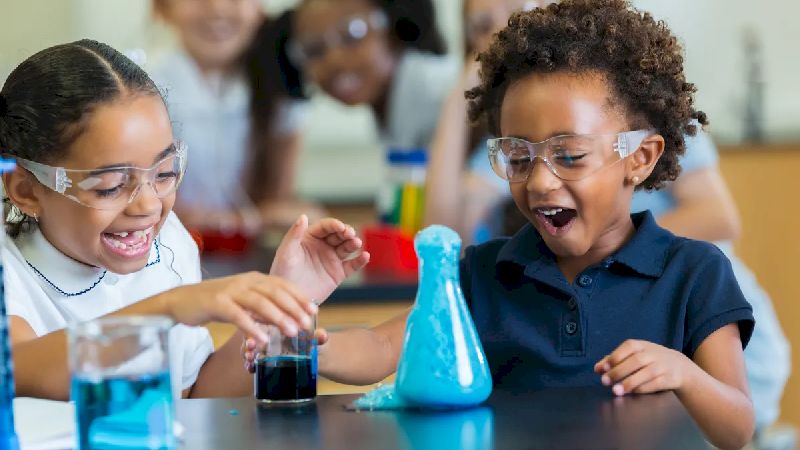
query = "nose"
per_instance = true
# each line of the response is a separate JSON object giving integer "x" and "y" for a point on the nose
{"x": 144, "y": 201}
{"x": 541, "y": 180}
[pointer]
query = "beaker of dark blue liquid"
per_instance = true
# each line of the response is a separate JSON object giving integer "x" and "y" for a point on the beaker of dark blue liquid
{"x": 286, "y": 367}
{"x": 442, "y": 363}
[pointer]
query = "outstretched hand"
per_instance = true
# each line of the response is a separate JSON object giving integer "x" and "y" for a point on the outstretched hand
{"x": 319, "y": 257}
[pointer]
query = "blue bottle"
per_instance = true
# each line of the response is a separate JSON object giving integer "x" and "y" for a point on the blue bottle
{"x": 442, "y": 364}
{"x": 8, "y": 437}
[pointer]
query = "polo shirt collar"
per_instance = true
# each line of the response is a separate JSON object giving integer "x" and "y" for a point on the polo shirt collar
{"x": 645, "y": 253}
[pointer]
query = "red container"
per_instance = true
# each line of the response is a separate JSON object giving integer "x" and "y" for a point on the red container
{"x": 391, "y": 252}
{"x": 221, "y": 241}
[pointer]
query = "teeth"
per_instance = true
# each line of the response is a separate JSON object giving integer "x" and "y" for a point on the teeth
{"x": 551, "y": 212}
{"x": 140, "y": 235}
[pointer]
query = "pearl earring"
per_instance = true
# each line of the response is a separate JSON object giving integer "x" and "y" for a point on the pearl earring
{"x": 635, "y": 181}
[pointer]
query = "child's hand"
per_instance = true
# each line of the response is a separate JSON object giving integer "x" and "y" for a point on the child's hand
{"x": 242, "y": 300}
{"x": 318, "y": 258}
{"x": 249, "y": 348}
{"x": 642, "y": 367}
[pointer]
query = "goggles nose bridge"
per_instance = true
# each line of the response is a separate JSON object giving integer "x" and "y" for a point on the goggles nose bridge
{"x": 144, "y": 178}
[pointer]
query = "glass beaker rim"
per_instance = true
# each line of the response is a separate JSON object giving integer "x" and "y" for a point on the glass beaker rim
{"x": 119, "y": 325}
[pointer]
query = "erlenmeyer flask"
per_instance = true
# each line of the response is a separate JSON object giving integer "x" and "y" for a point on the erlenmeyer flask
{"x": 442, "y": 364}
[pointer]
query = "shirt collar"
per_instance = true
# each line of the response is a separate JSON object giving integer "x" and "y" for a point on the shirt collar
{"x": 59, "y": 273}
{"x": 645, "y": 253}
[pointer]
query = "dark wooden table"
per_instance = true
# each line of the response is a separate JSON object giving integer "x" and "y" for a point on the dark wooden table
{"x": 568, "y": 419}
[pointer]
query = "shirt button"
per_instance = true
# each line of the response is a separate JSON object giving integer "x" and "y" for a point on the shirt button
{"x": 584, "y": 280}
{"x": 571, "y": 327}
{"x": 572, "y": 303}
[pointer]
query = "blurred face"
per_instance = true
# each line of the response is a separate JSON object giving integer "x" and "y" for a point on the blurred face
{"x": 484, "y": 18}
{"x": 213, "y": 32}
{"x": 575, "y": 218}
{"x": 133, "y": 131}
{"x": 346, "y": 53}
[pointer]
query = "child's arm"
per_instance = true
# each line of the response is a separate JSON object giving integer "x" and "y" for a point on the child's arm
{"x": 363, "y": 356}
{"x": 240, "y": 299}
{"x": 355, "y": 356}
{"x": 712, "y": 386}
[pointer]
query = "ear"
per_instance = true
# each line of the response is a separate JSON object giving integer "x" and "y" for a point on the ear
{"x": 642, "y": 162}
{"x": 24, "y": 191}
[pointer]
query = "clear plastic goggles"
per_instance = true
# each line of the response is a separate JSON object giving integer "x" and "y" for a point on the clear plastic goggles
{"x": 112, "y": 188}
{"x": 349, "y": 33}
{"x": 569, "y": 157}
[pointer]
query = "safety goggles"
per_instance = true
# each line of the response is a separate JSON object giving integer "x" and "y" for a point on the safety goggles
{"x": 349, "y": 33}
{"x": 569, "y": 157}
{"x": 113, "y": 187}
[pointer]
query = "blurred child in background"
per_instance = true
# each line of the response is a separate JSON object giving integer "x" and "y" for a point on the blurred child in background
{"x": 239, "y": 116}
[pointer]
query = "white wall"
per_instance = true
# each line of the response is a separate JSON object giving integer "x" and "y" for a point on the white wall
{"x": 341, "y": 141}
{"x": 712, "y": 33}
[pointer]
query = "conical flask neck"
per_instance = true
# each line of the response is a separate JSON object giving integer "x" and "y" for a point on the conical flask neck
{"x": 438, "y": 266}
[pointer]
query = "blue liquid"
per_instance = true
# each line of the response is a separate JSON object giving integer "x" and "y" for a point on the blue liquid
{"x": 8, "y": 437}
{"x": 285, "y": 378}
{"x": 442, "y": 364}
{"x": 463, "y": 429}
{"x": 124, "y": 413}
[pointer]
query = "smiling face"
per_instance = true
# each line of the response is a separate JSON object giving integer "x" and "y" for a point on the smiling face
{"x": 213, "y": 32}
{"x": 357, "y": 71}
{"x": 130, "y": 131}
{"x": 575, "y": 218}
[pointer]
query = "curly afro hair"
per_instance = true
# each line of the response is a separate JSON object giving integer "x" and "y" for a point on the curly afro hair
{"x": 639, "y": 56}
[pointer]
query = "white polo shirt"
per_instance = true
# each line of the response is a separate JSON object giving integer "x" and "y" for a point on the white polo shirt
{"x": 50, "y": 290}
{"x": 212, "y": 115}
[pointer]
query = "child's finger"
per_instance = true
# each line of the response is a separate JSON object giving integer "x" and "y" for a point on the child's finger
{"x": 356, "y": 264}
{"x": 625, "y": 350}
{"x": 622, "y": 370}
{"x": 298, "y": 228}
{"x": 348, "y": 247}
{"x": 267, "y": 312}
{"x": 602, "y": 366}
{"x": 249, "y": 343}
{"x": 290, "y": 306}
{"x": 321, "y": 335}
{"x": 327, "y": 226}
{"x": 634, "y": 381}
{"x": 334, "y": 240}
{"x": 242, "y": 320}
{"x": 656, "y": 384}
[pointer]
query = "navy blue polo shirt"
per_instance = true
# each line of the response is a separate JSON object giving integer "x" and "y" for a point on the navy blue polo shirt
{"x": 539, "y": 330}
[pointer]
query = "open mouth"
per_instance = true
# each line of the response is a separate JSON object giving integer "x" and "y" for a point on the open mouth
{"x": 556, "y": 221}
{"x": 129, "y": 244}
{"x": 346, "y": 85}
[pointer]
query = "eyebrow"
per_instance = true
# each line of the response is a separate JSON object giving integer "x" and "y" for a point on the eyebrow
{"x": 117, "y": 167}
